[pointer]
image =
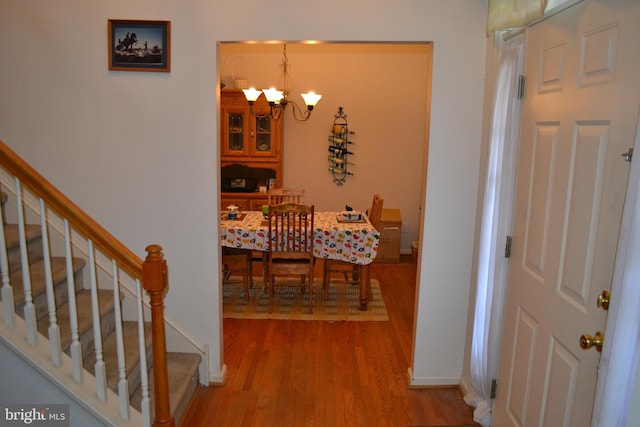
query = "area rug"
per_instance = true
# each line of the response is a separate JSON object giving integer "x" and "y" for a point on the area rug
{"x": 289, "y": 303}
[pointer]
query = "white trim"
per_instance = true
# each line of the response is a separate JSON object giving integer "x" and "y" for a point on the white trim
{"x": 218, "y": 378}
{"x": 621, "y": 351}
{"x": 415, "y": 382}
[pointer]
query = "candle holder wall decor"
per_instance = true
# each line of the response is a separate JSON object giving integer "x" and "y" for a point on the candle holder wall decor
{"x": 339, "y": 145}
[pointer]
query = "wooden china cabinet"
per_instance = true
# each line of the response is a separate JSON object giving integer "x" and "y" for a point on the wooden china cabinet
{"x": 251, "y": 146}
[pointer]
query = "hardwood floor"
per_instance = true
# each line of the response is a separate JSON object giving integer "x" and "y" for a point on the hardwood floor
{"x": 308, "y": 373}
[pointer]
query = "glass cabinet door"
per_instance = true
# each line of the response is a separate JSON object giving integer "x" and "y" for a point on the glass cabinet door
{"x": 263, "y": 135}
{"x": 236, "y": 132}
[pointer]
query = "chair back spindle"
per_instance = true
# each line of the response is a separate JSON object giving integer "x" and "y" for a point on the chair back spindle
{"x": 291, "y": 232}
{"x": 278, "y": 196}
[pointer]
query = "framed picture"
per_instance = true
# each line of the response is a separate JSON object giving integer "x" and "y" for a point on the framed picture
{"x": 139, "y": 45}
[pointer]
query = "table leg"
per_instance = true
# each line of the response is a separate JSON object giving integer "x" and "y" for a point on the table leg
{"x": 365, "y": 286}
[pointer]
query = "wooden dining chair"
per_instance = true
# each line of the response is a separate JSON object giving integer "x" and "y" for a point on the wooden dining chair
{"x": 291, "y": 235}
{"x": 276, "y": 196}
{"x": 350, "y": 271}
{"x": 241, "y": 260}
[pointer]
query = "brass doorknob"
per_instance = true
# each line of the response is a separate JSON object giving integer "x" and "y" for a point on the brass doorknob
{"x": 603, "y": 300}
{"x": 587, "y": 341}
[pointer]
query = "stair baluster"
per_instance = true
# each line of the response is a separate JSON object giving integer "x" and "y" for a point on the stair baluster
{"x": 76, "y": 347}
{"x": 100, "y": 370}
{"x": 29, "y": 308}
{"x": 123, "y": 384}
{"x": 54, "y": 329}
{"x": 8, "y": 302}
{"x": 145, "y": 403}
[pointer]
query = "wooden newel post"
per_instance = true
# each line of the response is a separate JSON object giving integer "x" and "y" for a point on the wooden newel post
{"x": 155, "y": 281}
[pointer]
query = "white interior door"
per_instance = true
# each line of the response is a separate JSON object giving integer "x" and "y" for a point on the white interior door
{"x": 579, "y": 116}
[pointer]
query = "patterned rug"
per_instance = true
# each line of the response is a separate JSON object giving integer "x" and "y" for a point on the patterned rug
{"x": 290, "y": 303}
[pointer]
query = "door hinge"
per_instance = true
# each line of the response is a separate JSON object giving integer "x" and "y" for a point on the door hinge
{"x": 494, "y": 386}
{"x": 507, "y": 247}
{"x": 522, "y": 85}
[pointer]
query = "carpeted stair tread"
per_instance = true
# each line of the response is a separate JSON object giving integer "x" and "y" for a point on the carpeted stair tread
{"x": 12, "y": 233}
{"x": 37, "y": 274}
{"x": 183, "y": 379}
{"x": 85, "y": 320}
{"x": 132, "y": 355}
{"x": 12, "y": 239}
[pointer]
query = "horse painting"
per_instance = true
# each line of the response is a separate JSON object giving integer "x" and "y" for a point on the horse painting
{"x": 129, "y": 41}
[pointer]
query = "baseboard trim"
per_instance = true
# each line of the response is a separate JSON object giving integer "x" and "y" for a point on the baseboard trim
{"x": 217, "y": 379}
{"x": 432, "y": 382}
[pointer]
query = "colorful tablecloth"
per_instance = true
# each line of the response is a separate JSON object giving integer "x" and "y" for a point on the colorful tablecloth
{"x": 355, "y": 242}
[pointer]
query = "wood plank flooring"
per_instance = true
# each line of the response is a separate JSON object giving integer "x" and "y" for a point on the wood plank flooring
{"x": 308, "y": 373}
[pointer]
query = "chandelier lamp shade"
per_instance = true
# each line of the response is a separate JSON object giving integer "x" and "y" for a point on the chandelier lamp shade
{"x": 279, "y": 99}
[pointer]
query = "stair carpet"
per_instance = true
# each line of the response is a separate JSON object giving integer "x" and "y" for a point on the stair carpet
{"x": 182, "y": 367}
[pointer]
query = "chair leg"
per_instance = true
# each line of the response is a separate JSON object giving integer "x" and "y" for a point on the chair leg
{"x": 265, "y": 268}
{"x": 325, "y": 277}
{"x": 245, "y": 281}
{"x": 311, "y": 293}
{"x": 271, "y": 291}
{"x": 227, "y": 273}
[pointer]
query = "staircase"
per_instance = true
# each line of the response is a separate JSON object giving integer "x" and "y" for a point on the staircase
{"x": 182, "y": 367}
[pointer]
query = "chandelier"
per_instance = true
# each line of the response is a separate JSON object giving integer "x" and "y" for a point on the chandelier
{"x": 279, "y": 99}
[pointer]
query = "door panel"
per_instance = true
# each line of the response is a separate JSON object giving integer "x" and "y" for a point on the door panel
{"x": 578, "y": 117}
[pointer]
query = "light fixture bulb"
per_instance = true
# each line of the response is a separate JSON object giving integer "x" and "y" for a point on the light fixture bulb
{"x": 251, "y": 94}
{"x": 273, "y": 95}
{"x": 311, "y": 99}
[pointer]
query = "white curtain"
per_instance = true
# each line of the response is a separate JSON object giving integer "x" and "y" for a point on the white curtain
{"x": 495, "y": 226}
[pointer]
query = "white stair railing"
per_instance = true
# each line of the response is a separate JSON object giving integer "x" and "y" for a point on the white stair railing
{"x": 100, "y": 371}
{"x": 28, "y": 308}
{"x": 144, "y": 380}
{"x": 54, "y": 328}
{"x": 72, "y": 247}
{"x": 8, "y": 305}
{"x": 71, "y": 238}
{"x": 76, "y": 347}
{"x": 123, "y": 384}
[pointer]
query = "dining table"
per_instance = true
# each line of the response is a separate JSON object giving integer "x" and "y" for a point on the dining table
{"x": 351, "y": 240}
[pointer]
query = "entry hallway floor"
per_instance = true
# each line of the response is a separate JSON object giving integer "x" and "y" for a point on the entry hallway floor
{"x": 321, "y": 373}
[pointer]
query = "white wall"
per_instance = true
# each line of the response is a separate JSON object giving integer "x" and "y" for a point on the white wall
{"x": 22, "y": 384}
{"x": 138, "y": 151}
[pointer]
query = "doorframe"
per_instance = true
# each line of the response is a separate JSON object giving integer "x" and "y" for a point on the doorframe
{"x": 618, "y": 365}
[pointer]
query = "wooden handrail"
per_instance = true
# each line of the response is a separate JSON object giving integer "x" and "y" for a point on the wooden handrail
{"x": 80, "y": 221}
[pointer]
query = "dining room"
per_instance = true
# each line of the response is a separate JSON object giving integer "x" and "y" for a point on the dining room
{"x": 386, "y": 143}
{"x": 388, "y": 135}
{"x": 387, "y": 147}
